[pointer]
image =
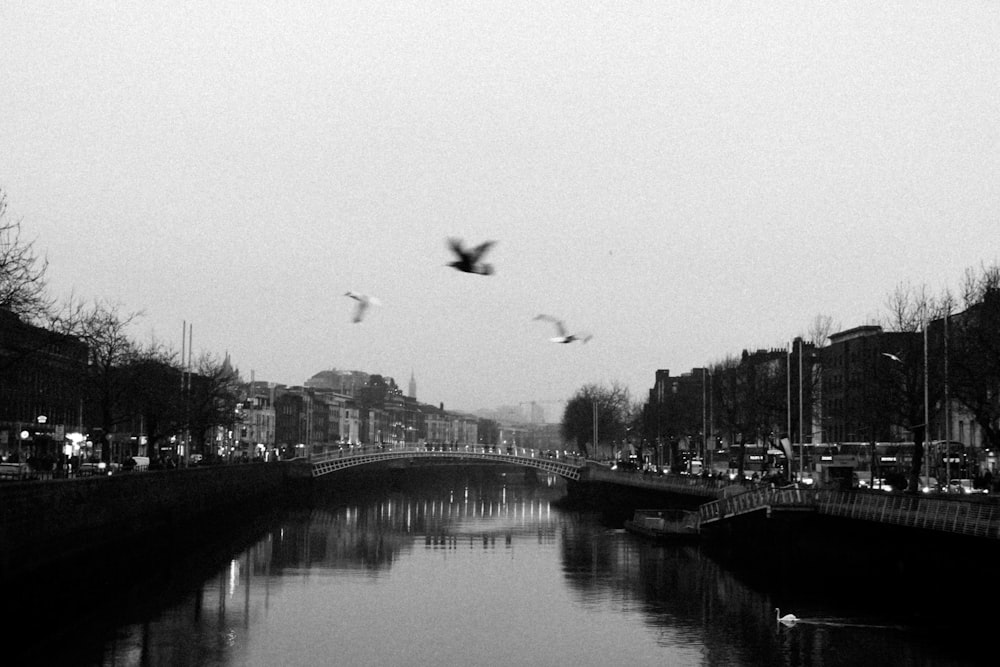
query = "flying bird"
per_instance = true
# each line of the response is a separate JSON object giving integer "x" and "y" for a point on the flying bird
{"x": 563, "y": 336}
{"x": 893, "y": 357}
{"x": 470, "y": 259}
{"x": 364, "y": 300}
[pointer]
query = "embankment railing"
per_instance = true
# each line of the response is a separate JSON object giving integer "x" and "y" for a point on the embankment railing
{"x": 961, "y": 517}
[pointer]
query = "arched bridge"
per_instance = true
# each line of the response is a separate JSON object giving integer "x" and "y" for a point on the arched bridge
{"x": 565, "y": 466}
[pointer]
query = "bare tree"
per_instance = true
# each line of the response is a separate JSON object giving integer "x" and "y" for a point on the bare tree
{"x": 108, "y": 380}
{"x": 974, "y": 350}
{"x": 154, "y": 377}
{"x": 909, "y": 311}
{"x": 22, "y": 272}
{"x": 766, "y": 385}
{"x": 211, "y": 397}
{"x": 730, "y": 412}
{"x": 977, "y": 285}
{"x": 820, "y": 330}
{"x": 634, "y": 417}
{"x": 909, "y": 308}
{"x": 612, "y": 406}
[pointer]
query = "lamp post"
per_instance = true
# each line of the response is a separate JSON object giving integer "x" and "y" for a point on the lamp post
{"x": 927, "y": 410}
{"x": 659, "y": 429}
{"x": 704, "y": 417}
{"x": 22, "y": 442}
{"x": 711, "y": 421}
{"x": 595, "y": 427}
{"x": 927, "y": 418}
{"x": 802, "y": 443}
{"x": 947, "y": 404}
{"x": 788, "y": 405}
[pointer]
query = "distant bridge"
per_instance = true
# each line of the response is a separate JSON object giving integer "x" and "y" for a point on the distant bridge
{"x": 569, "y": 467}
{"x": 576, "y": 468}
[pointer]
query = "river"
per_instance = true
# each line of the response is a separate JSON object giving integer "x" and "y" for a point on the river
{"x": 470, "y": 568}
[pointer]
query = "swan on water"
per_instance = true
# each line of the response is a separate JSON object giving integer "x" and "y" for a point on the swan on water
{"x": 787, "y": 619}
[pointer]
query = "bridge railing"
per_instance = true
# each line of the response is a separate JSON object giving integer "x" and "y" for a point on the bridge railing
{"x": 524, "y": 452}
{"x": 962, "y": 517}
{"x": 757, "y": 499}
{"x": 566, "y": 466}
{"x": 977, "y": 519}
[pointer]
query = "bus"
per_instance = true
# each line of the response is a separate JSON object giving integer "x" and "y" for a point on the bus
{"x": 952, "y": 460}
{"x": 759, "y": 461}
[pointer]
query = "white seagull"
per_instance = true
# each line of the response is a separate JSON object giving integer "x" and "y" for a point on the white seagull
{"x": 364, "y": 300}
{"x": 893, "y": 357}
{"x": 563, "y": 337}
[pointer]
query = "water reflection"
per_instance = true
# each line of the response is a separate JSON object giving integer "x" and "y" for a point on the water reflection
{"x": 371, "y": 535}
{"x": 485, "y": 572}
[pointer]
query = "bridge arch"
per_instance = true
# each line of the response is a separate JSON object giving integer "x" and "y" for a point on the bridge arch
{"x": 568, "y": 468}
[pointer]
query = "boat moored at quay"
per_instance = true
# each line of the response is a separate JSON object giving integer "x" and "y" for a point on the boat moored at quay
{"x": 665, "y": 525}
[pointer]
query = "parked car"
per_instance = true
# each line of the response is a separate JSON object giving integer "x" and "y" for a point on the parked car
{"x": 14, "y": 470}
{"x": 929, "y": 485}
{"x": 882, "y": 484}
{"x": 878, "y": 484}
{"x": 963, "y": 486}
{"x": 98, "y": 468}
{"x": 94, "y": 468}
{"x": 135, "y": 463}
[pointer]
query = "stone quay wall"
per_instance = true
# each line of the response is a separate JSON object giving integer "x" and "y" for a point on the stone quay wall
{"x": 48, "y": 522}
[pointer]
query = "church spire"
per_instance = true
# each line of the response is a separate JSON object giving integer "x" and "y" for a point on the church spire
{"x": 413, "y": 387}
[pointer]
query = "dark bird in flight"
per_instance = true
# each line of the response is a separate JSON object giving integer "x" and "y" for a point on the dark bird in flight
{"x": 364, "y": 300}
{"x": 563, "y": 336}
{"x": 470, "y": 259}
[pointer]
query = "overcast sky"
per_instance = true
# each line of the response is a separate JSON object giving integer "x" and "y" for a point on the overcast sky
{"x": 683, "y": 180}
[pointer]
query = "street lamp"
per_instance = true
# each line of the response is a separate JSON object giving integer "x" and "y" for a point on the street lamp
{"x": 595, "y": 427}
{"x": 927, "y": 416}
{"x": 947, "y": 404}
{"x": 788, "y": 405}
{"x": 22, "y": 442}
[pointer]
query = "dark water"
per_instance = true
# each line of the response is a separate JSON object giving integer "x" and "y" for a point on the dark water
{"x": 467, "y": 570}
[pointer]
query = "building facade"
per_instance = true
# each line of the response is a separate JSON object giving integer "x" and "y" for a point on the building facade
{"x": 41, "y": 394}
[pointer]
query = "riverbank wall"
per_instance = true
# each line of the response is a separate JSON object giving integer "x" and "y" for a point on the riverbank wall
{"x": 50, "y": 524}
{"x": 798, "y": 553}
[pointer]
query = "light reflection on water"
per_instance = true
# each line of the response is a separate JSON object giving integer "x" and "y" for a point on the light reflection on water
{"x": 481, "y": 574}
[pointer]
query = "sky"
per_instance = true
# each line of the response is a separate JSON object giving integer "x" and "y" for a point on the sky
{"x": 682, "y": 180}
